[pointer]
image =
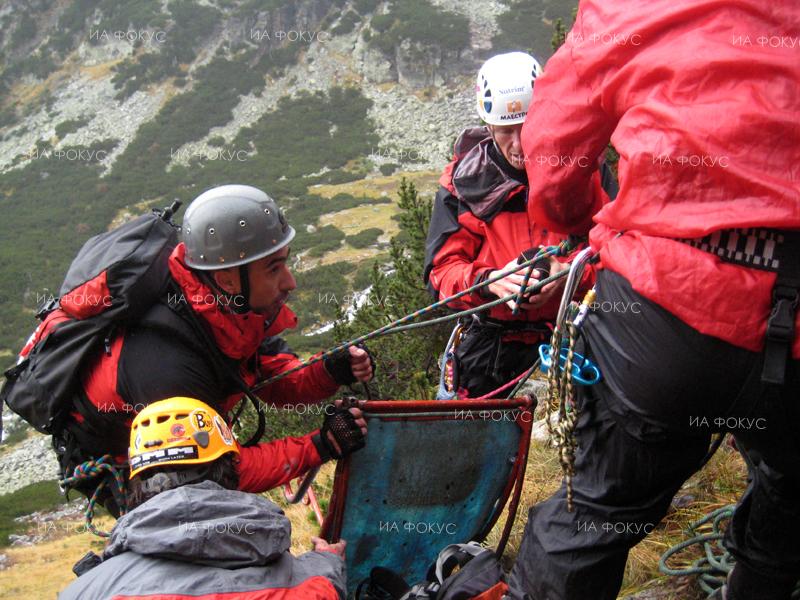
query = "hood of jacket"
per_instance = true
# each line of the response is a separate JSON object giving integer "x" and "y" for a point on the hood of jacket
{"x": 478, "y": 180}
{"x": 204, "y": 524}
{"x": 237, "y": 335}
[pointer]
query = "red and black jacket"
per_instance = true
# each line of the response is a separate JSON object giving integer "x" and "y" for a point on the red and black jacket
{"x": 480, "y": 223}
{"x": 163, "y": 356}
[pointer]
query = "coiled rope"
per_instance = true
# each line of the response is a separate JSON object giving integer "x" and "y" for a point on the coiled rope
{"x": 713, "y": 567}
{"x": 90, "y": 469}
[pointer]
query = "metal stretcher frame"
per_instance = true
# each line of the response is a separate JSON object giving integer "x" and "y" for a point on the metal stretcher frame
{"x": 374, "y": 516}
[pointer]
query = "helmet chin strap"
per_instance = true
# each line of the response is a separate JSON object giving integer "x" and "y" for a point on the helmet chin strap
{"x": 243, "y": 306}
{"x": 236, "y": 303}
{"x": 494, "y": 142}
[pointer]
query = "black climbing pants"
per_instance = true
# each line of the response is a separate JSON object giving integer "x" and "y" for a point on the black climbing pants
{"x": 485, "y": 361}
{"x": 643, "y": 430}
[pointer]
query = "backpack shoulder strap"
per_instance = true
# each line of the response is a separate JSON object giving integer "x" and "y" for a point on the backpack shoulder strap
{"x": 221, "y": 365}
{"x": 456, "y": 555}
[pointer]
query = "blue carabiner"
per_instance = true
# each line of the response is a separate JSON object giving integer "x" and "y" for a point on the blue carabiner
{"x": 584, "y": 371}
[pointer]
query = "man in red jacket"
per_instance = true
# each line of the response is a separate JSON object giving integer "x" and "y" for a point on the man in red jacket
{"x": 217, "y": 331}
{"x": 480, "y": 226}
{"x": 701, "y": 101}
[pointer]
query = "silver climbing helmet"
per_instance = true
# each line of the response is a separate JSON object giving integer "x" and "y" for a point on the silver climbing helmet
{"x": 232, "y": 225}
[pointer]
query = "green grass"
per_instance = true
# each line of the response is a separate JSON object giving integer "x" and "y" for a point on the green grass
{"x": 43, "y": 495}
{"x": 70, "y": 126}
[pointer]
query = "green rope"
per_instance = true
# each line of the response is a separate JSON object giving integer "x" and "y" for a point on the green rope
{"x": 402, "y": 324}
{"x": 477, "y": 309}
{"x": 524, "y": 379}
{"x": 89, "y": 470}
{"x": 713, "y": 567}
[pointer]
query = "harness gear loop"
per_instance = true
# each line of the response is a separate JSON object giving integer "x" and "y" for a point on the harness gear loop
{"x": 90, "y": 469}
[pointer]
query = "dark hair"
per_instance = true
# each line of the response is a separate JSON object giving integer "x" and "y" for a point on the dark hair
{"x": 221, "y": 471}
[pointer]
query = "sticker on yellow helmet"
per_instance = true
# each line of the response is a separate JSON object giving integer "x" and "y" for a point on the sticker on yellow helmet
{"x": 224, "y": 430}
{"x": 201, "y": 421}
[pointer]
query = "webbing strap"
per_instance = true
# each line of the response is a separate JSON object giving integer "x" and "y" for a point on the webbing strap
{"x": 780, "y": 325}
{"x": 453, "y": 556}
{"x": 757, "y": 248}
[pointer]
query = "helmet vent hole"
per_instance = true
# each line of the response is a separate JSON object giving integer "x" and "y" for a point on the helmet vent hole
{"x": 242, "y": 223}
{"x": 211, "y": 231}
{"x": 162, "y": 418}
{"x": 146, "y": 423}
{"x": 266, "y": 211}
{"x": 181, "y": 416}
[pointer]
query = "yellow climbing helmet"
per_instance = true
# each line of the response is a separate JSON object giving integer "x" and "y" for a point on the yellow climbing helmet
{"x": 178, "y": 431}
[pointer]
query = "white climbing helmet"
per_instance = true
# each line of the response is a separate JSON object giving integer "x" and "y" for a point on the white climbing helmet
{"x": 505, "y": 87}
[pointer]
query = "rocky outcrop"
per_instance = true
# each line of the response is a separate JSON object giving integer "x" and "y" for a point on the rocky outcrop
{"x": 421, "y": 65}
{"x": 28, "y": 462}
{"x": 432, "y": 86}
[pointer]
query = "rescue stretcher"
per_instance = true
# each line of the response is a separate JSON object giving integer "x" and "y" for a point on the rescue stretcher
{"x": 432, "y": 473}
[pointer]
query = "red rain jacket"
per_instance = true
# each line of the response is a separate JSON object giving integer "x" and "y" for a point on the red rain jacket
{"x": 480, "y": 223}
{"x": 701, "y": 101}
{"x": 146, "y": 363}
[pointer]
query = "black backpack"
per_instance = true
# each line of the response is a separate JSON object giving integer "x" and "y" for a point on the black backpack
{"x": 114, "y": 280}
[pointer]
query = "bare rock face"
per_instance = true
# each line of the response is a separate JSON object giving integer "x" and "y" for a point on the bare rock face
{"x": 375, "y": 66}
{"x": 28, "y": 462}
{"x": 422, "y": 65}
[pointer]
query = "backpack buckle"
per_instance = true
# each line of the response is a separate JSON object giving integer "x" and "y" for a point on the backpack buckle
{"x": 780, "y": 334}
{"x": 46, "y": 307}
{"x": 780, "y": 325}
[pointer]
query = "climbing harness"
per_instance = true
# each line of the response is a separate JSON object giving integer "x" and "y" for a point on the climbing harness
{"x": 772, "y": 250}
{"x": 90, "y": 469}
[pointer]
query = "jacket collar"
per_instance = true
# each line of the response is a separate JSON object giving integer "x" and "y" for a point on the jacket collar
{"x": 478, "y": 180}
{"x": 204, "y": 524}
{"x": 237, "y": 335}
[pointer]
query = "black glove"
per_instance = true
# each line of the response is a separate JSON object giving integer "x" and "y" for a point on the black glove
{"x": 338, "y": 365}
{"x": 342, "y": 426}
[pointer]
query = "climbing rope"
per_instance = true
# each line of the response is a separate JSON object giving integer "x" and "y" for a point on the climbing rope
{"x": 89, "y": 470}
{"x": 403, "y": 324}
{"x": 517, "y": 380}
{"x": 562, "y": 410}
{"x": 561, "y": 402}
{"x": 523, "y": 379}
{"x": 716, "y": 563}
